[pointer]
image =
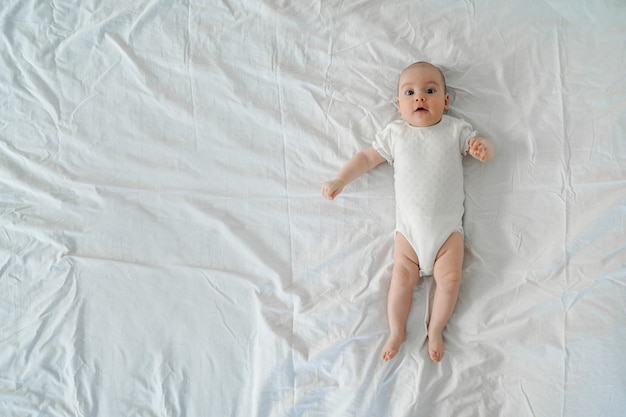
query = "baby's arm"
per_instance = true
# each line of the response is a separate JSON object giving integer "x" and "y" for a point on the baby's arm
{"x": 358, "y": 165}
{"x": 481, "y": 149}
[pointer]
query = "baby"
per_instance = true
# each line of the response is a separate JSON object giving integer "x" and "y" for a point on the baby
{"x": 426, "y": 149}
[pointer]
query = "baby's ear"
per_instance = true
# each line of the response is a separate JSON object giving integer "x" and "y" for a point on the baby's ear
{"x": 447, "y": 101}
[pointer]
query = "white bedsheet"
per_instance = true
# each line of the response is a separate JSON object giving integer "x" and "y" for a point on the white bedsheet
{"x": 165, "y": 251}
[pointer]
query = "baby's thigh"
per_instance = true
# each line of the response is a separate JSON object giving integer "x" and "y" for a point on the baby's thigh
{"x": 450, "y": 257}
{"x": 404, "y": 257}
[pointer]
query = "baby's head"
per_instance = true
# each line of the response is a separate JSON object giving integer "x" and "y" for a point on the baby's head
{"x": 422, "y": 96}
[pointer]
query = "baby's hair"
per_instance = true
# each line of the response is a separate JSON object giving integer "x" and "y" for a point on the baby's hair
{"x": 428, "y": 64}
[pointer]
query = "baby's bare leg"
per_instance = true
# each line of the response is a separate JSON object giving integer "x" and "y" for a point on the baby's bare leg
{"x": 447, "y": 271}
{"x": 404, "y": 277}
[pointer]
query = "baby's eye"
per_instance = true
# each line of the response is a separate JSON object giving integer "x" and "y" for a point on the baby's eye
{"x": 430, "y": 91}
{"x": 409, "y": 92}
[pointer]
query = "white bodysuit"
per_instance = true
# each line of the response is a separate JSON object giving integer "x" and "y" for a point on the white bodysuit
{"x": 428, "y": 177}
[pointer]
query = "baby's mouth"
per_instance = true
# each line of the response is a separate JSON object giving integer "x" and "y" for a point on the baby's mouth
{"x": 420, "y": 109}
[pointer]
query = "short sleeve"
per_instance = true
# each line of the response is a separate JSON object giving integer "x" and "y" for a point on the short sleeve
{"x": 382, "y": 144}
{"x": 466, "y": 132}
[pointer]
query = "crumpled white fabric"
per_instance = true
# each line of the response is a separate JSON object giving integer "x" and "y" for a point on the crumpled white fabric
{"x": 164, "y": 248}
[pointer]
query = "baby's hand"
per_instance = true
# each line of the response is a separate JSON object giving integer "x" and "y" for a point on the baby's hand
{"x": 331, "y": 189}
{"x": 481, "y": 149}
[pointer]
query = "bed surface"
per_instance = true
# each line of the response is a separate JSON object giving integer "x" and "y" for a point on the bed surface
{"x": 165, "y": 250}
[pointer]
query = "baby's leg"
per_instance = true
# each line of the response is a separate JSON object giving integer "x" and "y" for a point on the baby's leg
{"x": 447, "y": 271}
{"x": 404, "y": 277}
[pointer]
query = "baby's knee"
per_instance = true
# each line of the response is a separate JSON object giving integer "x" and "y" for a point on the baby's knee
{"x": 450, "y": 279}
{"x": 406, "y": 271}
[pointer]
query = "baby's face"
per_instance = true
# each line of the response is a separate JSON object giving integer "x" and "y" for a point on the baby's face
{"x": 421, "y": 95}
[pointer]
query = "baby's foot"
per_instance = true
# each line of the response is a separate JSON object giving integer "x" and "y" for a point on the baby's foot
{"x": 435, "y": 345}
{"x": 392, "y": 346}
